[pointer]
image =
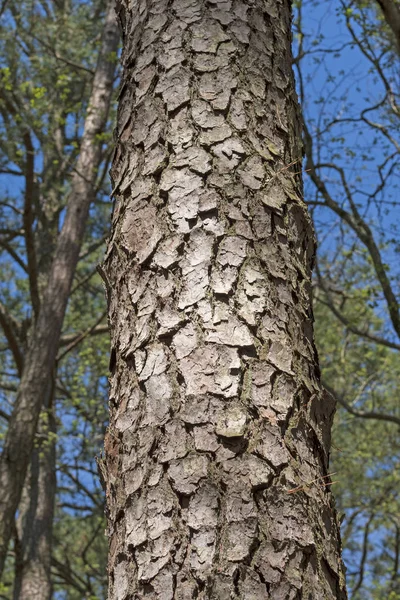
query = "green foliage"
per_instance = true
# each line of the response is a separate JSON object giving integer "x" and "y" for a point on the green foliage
{"x": 349, "y": 91}
{"x": 82, "y": 540}
{"x": 366, "y": 452}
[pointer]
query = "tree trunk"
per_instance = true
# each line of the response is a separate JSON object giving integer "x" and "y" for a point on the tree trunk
{"x": 35, "y": 517}
{"x": 40, "y": 358}
{"x": 216, "y": 465}
{"x": 391, "y": 12}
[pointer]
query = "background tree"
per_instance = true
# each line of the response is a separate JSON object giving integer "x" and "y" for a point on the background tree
{"x": 58, "y": 148}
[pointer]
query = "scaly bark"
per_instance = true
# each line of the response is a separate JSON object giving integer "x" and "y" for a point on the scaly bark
{"x": 40, "y": 358}
{"x": 216, "y": 465}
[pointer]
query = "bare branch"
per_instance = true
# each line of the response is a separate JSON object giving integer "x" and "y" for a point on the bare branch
{"x": 28, "y": 223}
{"x": 76, "y": 339}
{"x": 14, "y": 255}
{"x": 360, "y": 413}
{"x": 10, "y": 331}
{"x": 4, "y": 415}
{"x": 357, "y": 224}
{"x": 363, "y": 555}
{"x": 66, "y": 574}
{"x": 80, "y": 486}
{"x": 350, "y": 326}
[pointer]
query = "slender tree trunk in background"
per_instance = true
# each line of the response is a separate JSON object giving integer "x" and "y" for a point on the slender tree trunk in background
{"x": 40, "y": 358}
{"x": 35, "y": 517}
{"x": 34, "y": 524}
{"x": 391, "y": 12}
{"x": 216, "y": 465}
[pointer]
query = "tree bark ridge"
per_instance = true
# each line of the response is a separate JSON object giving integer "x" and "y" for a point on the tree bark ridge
{"x": 217, "y": 412}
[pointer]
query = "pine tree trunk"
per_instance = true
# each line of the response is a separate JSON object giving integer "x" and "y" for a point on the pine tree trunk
{"x": 216, "y": 465}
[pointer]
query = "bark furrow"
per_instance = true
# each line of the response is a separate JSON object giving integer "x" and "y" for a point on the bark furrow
{"x": 216, "y": 464}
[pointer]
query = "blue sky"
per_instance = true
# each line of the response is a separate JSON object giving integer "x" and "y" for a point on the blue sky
{"x": 339, "y": 86}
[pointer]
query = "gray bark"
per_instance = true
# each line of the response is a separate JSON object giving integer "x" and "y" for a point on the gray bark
{"x": 216, "y": 457}
{"x": 40, "y": 357}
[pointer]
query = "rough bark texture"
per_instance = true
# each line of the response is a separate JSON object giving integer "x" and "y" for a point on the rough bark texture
{"x": 216, "y": 465}
{"x": 40, "y": 357}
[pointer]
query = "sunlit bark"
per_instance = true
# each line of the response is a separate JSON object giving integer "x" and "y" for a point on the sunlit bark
{"x": 216, "y": 465}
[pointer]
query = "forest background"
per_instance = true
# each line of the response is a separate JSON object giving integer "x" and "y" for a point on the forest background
{"x": 346, "y": 59}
